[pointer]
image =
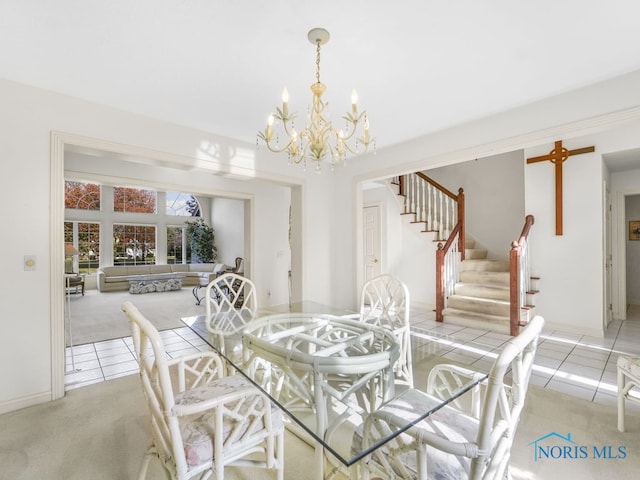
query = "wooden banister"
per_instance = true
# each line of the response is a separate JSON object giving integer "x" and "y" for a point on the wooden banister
{"x": 442, "y": 273}
{"x": 431, "y": 181}
{"x": 528, "y": 223}
{"x": 461, "y": 222}
{"x": 519, "y": 276}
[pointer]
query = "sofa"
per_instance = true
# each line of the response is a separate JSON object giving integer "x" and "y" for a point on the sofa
{"x": 192, "y": 274}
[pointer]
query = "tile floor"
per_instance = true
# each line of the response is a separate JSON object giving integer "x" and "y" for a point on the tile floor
{"x": 97, "y": 362}
{"x": 574, "y": 364}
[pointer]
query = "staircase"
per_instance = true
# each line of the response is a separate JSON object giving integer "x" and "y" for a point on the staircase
{"x": 480, "y": 298}
{"x": 471, "y": 290}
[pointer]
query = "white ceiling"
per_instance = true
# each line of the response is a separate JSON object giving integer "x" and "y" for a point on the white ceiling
{"x": 219, "y": 65}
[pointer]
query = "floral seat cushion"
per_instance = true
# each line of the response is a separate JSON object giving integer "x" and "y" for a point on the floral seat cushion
{"x": 244, "y": 418}
{"x": 630, "y": 365}
{"x": 447, "y": 422}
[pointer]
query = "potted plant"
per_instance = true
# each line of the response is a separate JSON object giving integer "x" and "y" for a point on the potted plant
{"x": 201, "y": 238}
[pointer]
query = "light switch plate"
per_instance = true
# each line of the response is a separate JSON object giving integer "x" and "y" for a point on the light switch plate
{"x": 30, "y": 262}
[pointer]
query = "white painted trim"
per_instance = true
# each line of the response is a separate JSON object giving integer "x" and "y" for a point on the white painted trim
{"x": 24, "y": 402}
{"x": 621, "y": 255}
{"x": 166, "y": 186}
{"x": 56, "y": 267}
{"x": 518, "y": 142}
{"x": 358, "y": 235}
{"x": 590, "y": 332}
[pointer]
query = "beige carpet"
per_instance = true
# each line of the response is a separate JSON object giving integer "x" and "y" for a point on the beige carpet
{"x": 100, "y": 432}
{"x": 96, "y": 316}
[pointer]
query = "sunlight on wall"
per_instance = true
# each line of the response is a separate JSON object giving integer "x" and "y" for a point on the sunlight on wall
{"x": 227, "y": 160}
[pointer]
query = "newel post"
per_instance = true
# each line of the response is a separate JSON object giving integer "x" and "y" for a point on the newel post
{"x": 514, "y": 289}
{"x": 401, "y": 185}
{"x": 439, "y": 282}
{"x": 461, "y": 235}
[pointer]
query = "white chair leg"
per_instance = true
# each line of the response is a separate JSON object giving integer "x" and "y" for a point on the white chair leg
{"x": 280, "y": 456}
{"x": 150, "y": 453}
{"x": 621, "y": 395}
{"x": 421, "y": 459}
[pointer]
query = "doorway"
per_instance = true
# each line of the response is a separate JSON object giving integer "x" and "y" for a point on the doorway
{"x": 149, "y": 162}
{"x": 632, "y": 249}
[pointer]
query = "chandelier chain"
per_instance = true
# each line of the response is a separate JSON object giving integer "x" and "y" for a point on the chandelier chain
{"x": 318, "y": 61}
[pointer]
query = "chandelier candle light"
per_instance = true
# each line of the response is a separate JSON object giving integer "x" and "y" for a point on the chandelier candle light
{"x": 318, "y": 140}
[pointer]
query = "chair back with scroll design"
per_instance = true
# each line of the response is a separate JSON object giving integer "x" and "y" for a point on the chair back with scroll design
{"x": 201, "y": 419}
{"x": 384, "y": 301}
{"x": 231, "y": 302}
{"x": 455, "y": 443}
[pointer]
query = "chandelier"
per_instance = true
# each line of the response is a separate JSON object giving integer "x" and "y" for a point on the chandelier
{"x": 318, "y": 140}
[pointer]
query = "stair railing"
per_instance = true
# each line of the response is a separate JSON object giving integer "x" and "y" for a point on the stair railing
{"x": 448, "y": 258}
{"x": 519, "y": 276}
{"x": 430, "y": 203}
{"x": 441, "y": 211}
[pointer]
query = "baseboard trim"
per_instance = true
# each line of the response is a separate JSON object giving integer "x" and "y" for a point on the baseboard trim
{"x": 24, "y": 402}
{"x": 591, "y": 332}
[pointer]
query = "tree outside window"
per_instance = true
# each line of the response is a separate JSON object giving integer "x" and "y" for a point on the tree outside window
{"x": 85, "y": 237}
{"x": 82, "y": 196}
{"x": 134, "y": 200}
{"x": 134, "y": 244}
{"x": 178, "y": 249}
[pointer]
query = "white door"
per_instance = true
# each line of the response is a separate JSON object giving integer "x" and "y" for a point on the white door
{"x": 371, "y": 220}
{"x": 608, "y": 256}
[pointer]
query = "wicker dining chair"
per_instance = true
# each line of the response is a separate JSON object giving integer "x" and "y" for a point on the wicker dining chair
{"x": 385, "y": 302}
{"x": 201, "y": 419}
{"x": 628, "y": 367}
{"x": 452, "y": 442}
{"x": 231, "y": 302}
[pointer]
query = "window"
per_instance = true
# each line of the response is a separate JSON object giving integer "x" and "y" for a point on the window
{"x": 178, "y": 249}
{"x": 82, "y": 196}
{"x": 134, "y": 244}
{"x": 182, "y": 204}
{"x": 144, "y": 226}
{"x": 85, "y": 237}
{"x": 134, "y": 200}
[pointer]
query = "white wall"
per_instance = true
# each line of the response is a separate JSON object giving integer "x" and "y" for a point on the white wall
{"x": 271, "y": 244}
{"x": 570, "y": 265}
{"x": 227, "y": 221}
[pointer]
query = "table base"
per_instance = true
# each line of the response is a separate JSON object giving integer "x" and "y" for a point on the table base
{"x": 144, "y": 286}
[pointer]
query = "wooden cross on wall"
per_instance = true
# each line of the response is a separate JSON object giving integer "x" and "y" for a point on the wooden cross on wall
{"x": 557, "y": 156}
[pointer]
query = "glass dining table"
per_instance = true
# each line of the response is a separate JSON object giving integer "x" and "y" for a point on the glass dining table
{"x": 326, "y": 372}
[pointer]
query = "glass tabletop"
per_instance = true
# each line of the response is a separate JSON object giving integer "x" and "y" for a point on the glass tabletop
{"x": 327, "y": 373}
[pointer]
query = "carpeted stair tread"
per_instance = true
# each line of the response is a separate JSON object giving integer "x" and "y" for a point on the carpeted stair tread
{"x": 473, "y": 289}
